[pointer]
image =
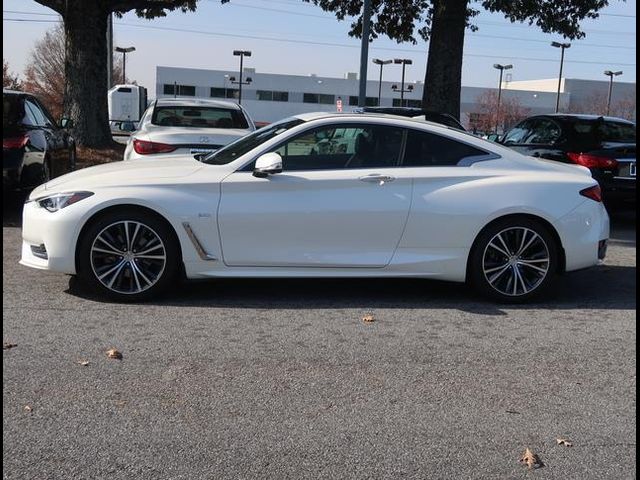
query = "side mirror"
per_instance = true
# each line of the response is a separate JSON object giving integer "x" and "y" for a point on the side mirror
{"x": 66, "y": 123}
{"x": 267, "y": 164}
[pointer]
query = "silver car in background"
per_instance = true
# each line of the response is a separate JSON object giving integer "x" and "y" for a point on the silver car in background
{"x": 187, "y": 126}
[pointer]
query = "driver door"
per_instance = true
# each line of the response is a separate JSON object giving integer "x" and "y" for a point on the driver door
{"x": 340, "y": 201}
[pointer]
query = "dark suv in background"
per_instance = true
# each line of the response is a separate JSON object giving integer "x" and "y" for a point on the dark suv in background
{"x": 34, "y": 148}
{"x": 606, "y": 145}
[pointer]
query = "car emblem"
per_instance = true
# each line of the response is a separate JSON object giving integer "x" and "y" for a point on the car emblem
{"x": 204, "y": 139}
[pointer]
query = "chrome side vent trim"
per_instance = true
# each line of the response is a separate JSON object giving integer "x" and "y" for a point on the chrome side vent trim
{"x": 196, "y": 243}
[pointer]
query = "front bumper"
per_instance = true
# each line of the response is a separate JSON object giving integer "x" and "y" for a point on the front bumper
{"x": 55, "y": 232}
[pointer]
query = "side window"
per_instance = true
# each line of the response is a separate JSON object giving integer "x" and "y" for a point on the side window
{"x": 338, "y": 147}
{"x": 36, "y": 114}
{"x": 49, "y": 121}
{"x": 431, "y": 150}
{"x": 544, "y": 131}
{"x": 519, "y": 133}
{"x": 29, "y": 118}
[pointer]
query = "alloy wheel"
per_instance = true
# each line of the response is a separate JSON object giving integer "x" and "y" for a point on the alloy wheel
{"x": 516, "y": 261}
{"x": 128, "y": 257}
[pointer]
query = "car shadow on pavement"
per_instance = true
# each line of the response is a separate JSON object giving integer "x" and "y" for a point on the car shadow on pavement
{"x": 601, "y": 288}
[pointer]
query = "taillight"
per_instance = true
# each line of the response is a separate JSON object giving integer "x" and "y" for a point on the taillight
{"x": 594, "y": 193}
{"x": 592, "y": 161}
{"x": 15, "y": 142}
{"x": 143, "y": 147}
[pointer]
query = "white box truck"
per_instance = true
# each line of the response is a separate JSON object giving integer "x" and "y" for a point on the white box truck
{"x": 126, "y": 105}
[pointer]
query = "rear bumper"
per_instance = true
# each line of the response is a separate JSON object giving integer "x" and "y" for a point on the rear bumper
{"x": 584, "y": 232}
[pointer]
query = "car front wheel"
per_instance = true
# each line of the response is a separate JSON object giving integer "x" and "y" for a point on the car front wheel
{"x": 514, "y": 260}
{"x": 128, "y": 256}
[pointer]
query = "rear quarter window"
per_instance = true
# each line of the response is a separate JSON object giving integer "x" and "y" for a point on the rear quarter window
{"x": 425, "y": 149}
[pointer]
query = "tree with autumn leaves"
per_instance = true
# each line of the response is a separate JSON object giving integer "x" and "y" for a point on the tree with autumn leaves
{"x": 85, "y": 59}
{"x": 444, "y": 23}
{"x": 44, "y": 75}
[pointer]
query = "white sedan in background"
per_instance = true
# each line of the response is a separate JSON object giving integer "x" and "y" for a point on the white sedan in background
{"x": 323, "y": 195}
{"x": 187, "y": 126}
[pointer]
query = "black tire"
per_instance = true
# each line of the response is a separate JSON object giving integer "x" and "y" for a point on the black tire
{"x": 519, "y": 276}
{"x": 134, "y": 276}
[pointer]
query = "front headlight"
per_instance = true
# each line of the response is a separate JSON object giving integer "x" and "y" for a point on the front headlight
{"x": 56, "y": 202}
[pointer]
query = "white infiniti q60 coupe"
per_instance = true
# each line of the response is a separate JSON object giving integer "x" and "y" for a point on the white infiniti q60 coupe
{"x": 323, "y": 195}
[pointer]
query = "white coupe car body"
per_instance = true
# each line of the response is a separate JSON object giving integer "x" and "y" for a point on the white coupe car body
{"x": 393, "y": 221}
{"x": 187, "y": 126}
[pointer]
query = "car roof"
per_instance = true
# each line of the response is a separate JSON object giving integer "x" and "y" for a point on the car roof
{"x": 306, "y": 117}
{"x": 195, "y": 102}
{"x": 583, "y": 116}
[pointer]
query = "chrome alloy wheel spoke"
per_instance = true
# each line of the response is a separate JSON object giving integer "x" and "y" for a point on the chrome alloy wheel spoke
{"x": 516, "y": 261}
{"x": 128, "y": 257}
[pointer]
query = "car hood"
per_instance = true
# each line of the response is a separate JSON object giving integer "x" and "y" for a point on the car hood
{"x": 122, "y": 173}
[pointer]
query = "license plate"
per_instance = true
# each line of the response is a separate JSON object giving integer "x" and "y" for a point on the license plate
{"x": 196, "y": 151}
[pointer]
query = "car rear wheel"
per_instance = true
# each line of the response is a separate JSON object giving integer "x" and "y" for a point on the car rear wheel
{"x": 514, "y": 260}
{"x": 128, "y": 256}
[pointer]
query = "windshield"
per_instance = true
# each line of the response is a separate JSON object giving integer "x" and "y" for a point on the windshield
{"x": 203, "y": 117}
{"x": 247, "y": 143}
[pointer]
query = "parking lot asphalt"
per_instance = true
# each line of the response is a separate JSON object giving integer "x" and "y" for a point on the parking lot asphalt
{"x": 283, "y": 379}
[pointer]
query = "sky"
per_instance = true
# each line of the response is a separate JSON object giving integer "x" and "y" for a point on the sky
{"x": 293, "y": 37}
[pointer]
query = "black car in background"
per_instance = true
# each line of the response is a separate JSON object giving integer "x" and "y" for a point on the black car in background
{"x": 606, "y": 145}
{"x": 429, "y": 116}
{"x": 34, "y": 148}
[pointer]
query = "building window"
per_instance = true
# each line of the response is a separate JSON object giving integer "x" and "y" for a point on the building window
{"x": 218, "y": 92}
{"x": 407, "y": 103}
{"x": 180, "y": 90}
{"x": 310, "y": 98}
{"x": 280, "y": 96}
{"x": 264, "y": 95}
{"x": 369, "y": 101}
{"x": 319, "y": 98}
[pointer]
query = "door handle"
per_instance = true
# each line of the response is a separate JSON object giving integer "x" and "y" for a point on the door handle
{"x": 377, "y": 178}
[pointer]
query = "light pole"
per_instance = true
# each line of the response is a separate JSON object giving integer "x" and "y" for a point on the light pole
{"x": 404, "y": 62}
{"x": 382, "y": 63}
{"x": 561, "y": 46}
{"x": 241, "y": 54}
{"x": 610, "y": 74}
{"x": 124, "y": 52}
{"x": 502, "y": 68}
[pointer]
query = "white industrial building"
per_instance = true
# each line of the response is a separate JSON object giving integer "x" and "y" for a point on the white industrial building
{"x": 269, "y": 97}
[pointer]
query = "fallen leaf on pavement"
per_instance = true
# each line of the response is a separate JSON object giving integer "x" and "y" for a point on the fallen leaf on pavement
{"x": 113, "y": 353}
{"x": 7, "y": 345}
{"x": 564, "y": 441}
{"x": 84, "y": 363}
{"x": 368, "y": 319}
{"x": 531, "y": 459}
{"x": 28, "y": 409}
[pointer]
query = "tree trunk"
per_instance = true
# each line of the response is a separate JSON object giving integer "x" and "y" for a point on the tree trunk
{"x": 85, "y": 94}
{"x": 443, "y": 79}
